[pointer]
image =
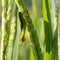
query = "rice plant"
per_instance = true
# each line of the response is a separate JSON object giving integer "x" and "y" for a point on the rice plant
{"x": 29, "y": 32}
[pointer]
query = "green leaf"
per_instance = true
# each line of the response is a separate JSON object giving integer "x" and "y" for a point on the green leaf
{"x": 47, "y": 25}
{"x": 16, "y": 42}
{"x": 38, "y": 21}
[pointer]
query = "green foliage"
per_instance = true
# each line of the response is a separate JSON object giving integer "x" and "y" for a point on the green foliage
{"x": 47, "y": 26}
{"x": 30, "y": 38}
{"x": 50, "y": 26}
